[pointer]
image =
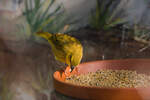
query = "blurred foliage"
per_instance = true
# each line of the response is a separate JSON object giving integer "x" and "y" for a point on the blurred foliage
{"x": 141, "y": 34}
{"x": 43, "y": 16}
{"x": 44, "y": 84}
{"x": 103, "y": 18}
{"x": 5, "y": 93}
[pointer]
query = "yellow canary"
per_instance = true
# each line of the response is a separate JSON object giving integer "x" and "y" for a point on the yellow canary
{"x": 66, "y": 49}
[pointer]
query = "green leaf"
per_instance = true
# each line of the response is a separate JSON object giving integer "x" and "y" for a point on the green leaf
{"x": 46, "y": 11}
{"x": 102, "y": 18}
{"x": 37, "y": 3}
{"x": 53, "y": 13}
{"x": 31, "y": 5}
{"x": 39, "y": 19}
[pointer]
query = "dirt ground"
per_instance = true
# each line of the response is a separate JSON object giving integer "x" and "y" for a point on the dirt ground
{"x": 27, "y": 66}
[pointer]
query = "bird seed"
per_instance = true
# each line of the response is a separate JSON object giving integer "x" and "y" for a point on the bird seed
{"x": 111, "y": 79}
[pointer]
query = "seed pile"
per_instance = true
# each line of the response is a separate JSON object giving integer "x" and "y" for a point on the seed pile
{"x": 111, "y": 79}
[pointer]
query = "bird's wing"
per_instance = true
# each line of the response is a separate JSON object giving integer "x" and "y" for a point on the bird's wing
{"x": 63, "y": 41}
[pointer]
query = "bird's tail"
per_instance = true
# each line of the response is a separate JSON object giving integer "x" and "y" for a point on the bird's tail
{"x": 45, "y": 35}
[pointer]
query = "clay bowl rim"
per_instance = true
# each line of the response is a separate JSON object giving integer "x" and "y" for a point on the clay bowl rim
{"x": 94, "y": 87}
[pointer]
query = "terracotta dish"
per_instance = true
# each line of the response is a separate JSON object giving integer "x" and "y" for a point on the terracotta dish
{"x": 97, "y": 93}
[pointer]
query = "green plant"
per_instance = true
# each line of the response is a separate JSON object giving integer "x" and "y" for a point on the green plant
{"x": 103, "y": 18}
{"x": 39, "y": 17}
{"x": 141, "y": 34}
{"x": 5, "y": 93}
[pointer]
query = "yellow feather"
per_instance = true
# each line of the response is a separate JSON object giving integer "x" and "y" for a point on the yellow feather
{"x": 66, "y": 49}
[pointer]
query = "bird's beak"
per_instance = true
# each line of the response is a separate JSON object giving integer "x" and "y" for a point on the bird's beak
{"x": 72, "y": 67}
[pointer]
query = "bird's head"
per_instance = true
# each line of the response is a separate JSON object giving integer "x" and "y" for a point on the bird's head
{"x": 76, "y": 57}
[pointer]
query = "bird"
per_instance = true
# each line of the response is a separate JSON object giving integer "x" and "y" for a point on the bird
{"x": 66, "y": 49}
